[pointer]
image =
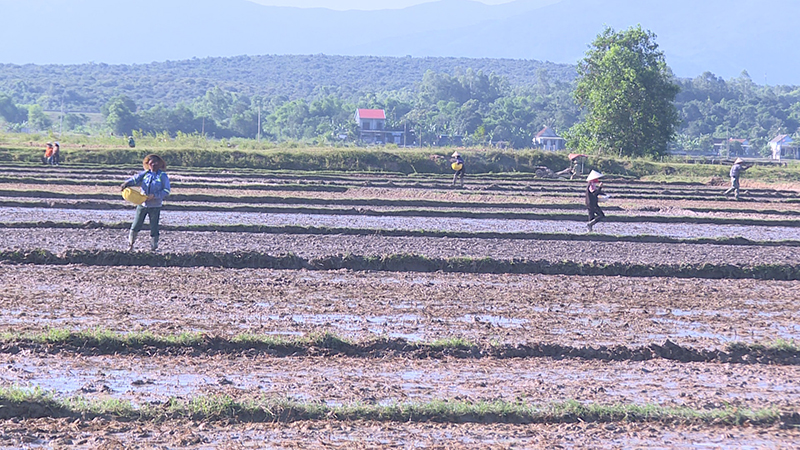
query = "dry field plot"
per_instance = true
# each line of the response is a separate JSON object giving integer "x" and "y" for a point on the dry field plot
{"x": 335, "y": 311}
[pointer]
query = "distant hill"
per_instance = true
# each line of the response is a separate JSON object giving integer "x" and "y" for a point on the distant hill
{"x": 721, "y": 36}
{"x": 87, "y": 87}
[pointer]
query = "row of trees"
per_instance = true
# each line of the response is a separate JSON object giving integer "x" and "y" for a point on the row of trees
{"x": 625, "y": 101}
{"x": 473, "y": 106}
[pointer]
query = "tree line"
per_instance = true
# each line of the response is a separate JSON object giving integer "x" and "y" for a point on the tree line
{"x": 500, "y": 101}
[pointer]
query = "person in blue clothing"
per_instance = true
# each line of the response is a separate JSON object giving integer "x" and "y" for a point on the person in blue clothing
{"x": 154, "y": 185}
{"x": 458, "y": 165}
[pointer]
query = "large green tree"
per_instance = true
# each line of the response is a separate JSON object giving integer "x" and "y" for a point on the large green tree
{"x": 627, "y": 91}
{"x": 120, "y": 115}
{"x": 37, "y": 119}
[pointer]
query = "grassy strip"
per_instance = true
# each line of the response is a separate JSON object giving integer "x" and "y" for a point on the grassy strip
{"x": 401, "y": 263}
{"x": 405, "y": 161}
{"x": 36, "y": 403}
{"x": 110, "y": 342}
{"x": 292, "y": 229}
{"x": 107, "y": 342}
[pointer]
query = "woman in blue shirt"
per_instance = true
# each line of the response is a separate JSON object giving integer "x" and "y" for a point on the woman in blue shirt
{"x": 154, "y": 185}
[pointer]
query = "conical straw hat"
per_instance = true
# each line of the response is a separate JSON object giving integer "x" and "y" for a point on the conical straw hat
{"x": 738, "y": 161}
{"x": 594, "y": 175}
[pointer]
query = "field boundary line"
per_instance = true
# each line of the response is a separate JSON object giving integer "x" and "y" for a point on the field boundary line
{"x": 400, "y": 263}
{"x": 301, "y": 230}
{"x": 458, "y": 214}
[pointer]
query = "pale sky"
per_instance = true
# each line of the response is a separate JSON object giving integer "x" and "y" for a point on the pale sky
{"x": 357, "y": 4}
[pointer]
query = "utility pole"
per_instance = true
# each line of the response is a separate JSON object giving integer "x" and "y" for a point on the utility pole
{"x": 61, "y": 121}
{"x": 259, "y": 123}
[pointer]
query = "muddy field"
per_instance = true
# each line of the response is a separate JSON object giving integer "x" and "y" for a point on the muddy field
{"x": 508, "y": 318}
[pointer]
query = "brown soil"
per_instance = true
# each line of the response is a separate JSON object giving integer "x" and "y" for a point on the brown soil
{"x": 104, "y": 434}
{"x": 565, "y": 310}
{"x": 504, "y": 309}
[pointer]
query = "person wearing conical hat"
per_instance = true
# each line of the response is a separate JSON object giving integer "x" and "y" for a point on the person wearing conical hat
{"x": 48, "y": 153}
{"x": 736, "y": 171}
{"x": 457, "y": 163}
{"x": 594, "y": 189}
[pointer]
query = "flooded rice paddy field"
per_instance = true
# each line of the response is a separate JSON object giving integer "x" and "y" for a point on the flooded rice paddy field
{"x": 504, "y": 308}
{"x": 362, "y": 306}
{"x": 311, "y": 246}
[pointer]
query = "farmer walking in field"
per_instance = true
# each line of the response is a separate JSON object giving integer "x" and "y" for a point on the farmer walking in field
{"x": 457, "y": 165}
{"x": 154, "y": 185}
{"x": 736, "y": 170}
{"x": 593, "y": 191}
{"x": 48, "y": 153}
{"x": 56, "y": 159}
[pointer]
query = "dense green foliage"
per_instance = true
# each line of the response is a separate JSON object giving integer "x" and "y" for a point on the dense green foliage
{"x": 87, "y": 87}
{"x": 628, "y": 91}
{"x": 438, "y": 101}
{"x": 737, "y": 108}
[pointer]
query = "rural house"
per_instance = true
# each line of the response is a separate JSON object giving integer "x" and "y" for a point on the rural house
{"x": 781, "y": 146}
{"x": 727, "y": 146}
{"x": 371, "y": 125}
{"x": 547, "y": 139}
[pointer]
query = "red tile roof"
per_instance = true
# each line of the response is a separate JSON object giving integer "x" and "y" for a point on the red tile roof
{"x": 371, "y": 114}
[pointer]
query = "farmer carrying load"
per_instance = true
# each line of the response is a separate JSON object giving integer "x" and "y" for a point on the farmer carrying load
{"x": 154, "y": 185}
{"x": 457, "y": 165}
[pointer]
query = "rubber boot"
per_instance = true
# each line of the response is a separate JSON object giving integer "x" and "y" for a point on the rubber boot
{"x": 154, "y": 243}
{"x": 132, "y": 239}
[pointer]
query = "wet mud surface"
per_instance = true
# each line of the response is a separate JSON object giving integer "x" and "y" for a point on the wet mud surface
{"x": 450, "y": 224}
{"x": 320, "y": 246}
{"x": 489, "y": 309}
{"x": 388, "y": 381}
{"x": 103, "y": 434}
{"x": 566, "y": 310}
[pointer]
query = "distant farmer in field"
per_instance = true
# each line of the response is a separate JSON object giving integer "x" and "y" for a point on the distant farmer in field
{"x": 457, "y": 165}
{"x": 736, "y": 170}
{"x": 48, "y": 153}
{"x": 56, "y": 154}
{"x": 593, "y": 191}
{"x": 131, "y": 142}
{"x": 155, "y": 186}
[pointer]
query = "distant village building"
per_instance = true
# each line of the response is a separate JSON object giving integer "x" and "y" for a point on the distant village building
{"x": 782, "y": 147}
{"x": 547, "y": 139}
{"x": 724, "y": 145}
{"x": 371, "y": 126}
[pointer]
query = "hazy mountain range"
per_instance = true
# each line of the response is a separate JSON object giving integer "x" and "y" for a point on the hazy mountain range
{"x": 721, "y": 36}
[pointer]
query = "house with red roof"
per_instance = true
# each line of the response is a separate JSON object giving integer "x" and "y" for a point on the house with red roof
{"x": 371, "y": 125}
{"x": 547, "y": 139}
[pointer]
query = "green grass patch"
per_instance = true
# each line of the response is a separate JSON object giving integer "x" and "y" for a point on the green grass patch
{"x": 39, "y": 403}
{"x": 778, "y": 345}
{"x": 451, "y": 343}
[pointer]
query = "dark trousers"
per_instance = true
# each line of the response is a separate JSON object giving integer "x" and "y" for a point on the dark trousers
{"x": 595, "y": 214}
{"x": 138, "y": 221}
{"x": 459, "y": 173}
